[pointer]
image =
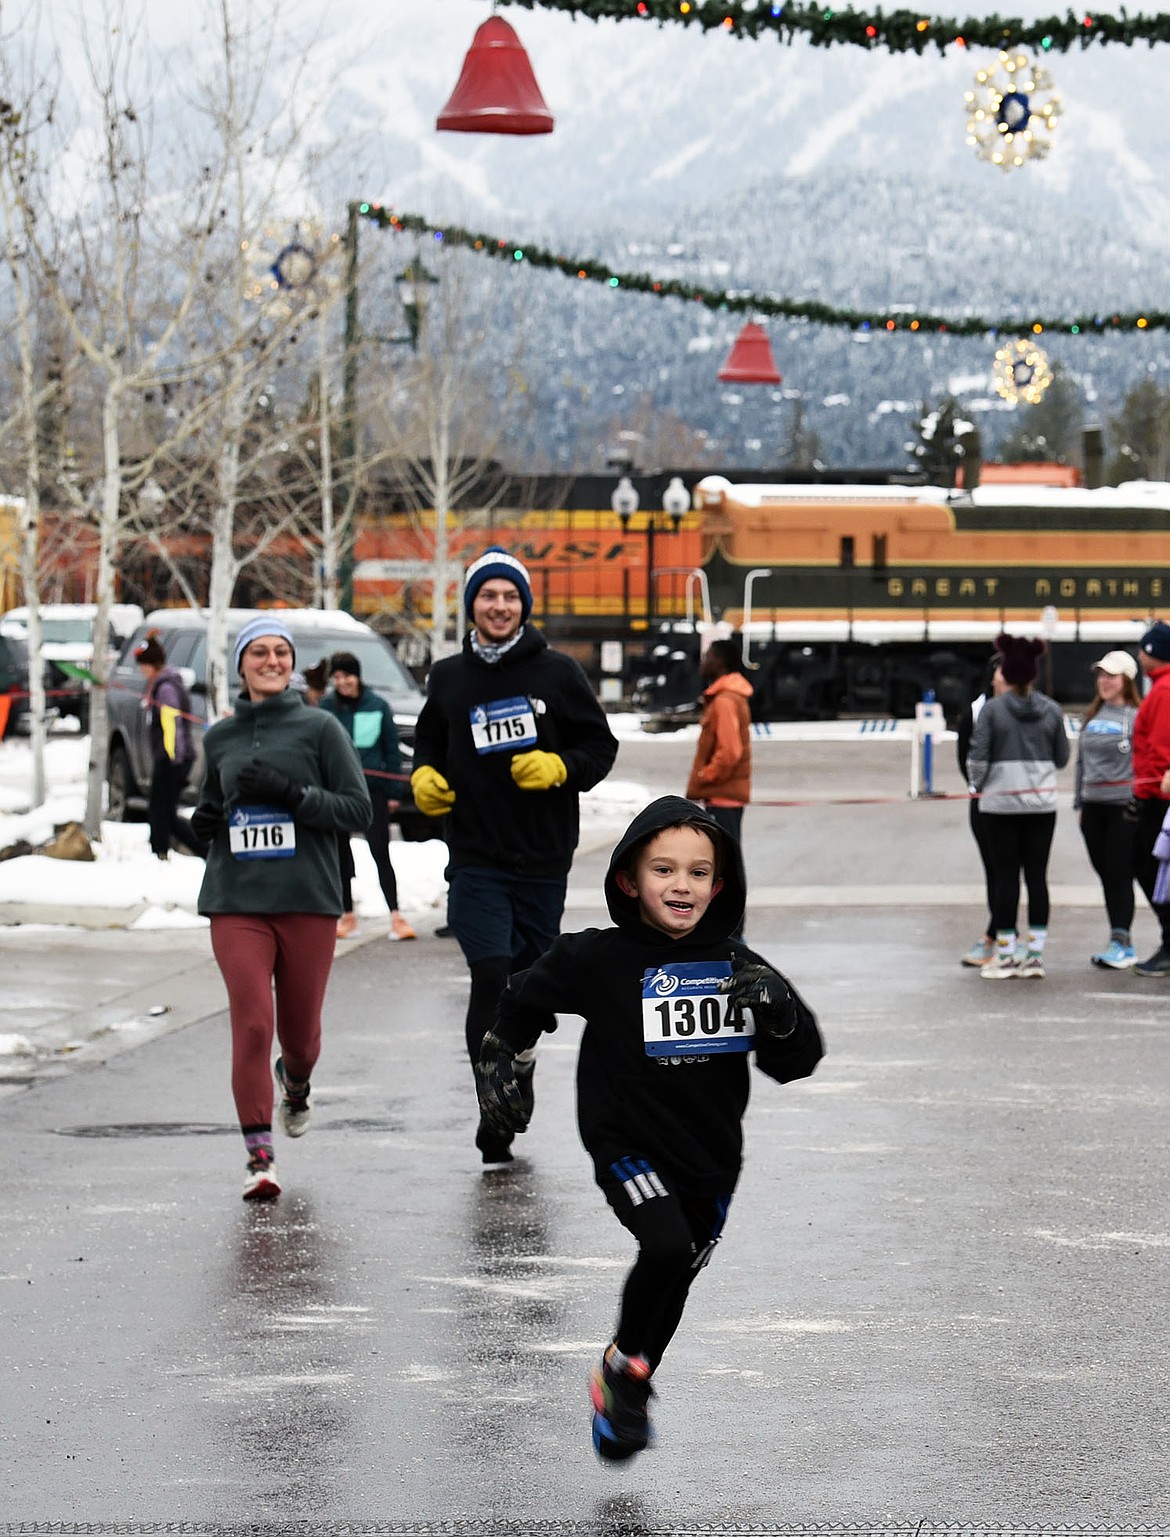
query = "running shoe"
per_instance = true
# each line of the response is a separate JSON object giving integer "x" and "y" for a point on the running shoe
{"x": 979, "y": 954}
{"x": 294, "y": 1110}
{"x": 1031, "y": 966}
{"x": 494, "y": 1147}
{"x": 400, "y": 929}
{"x": 1158, "y": 965}
{"x": 260, "y": 1181}
{"x": 1001, "y": 968}
{"x": 621, "y": 1398}
{"x": 347, "y": 926}
{"x": 1116, "y": 955}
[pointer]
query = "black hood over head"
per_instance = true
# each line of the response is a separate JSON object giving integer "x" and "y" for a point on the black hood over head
{"x": 724, "y": 916}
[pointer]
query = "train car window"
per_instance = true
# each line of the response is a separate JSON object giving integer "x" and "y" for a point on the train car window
{"x": 846, "y": 552}
{"x": 880, "y": 558}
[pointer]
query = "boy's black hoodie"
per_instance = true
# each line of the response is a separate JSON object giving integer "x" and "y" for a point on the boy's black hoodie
{"x": 682, "y": 1114}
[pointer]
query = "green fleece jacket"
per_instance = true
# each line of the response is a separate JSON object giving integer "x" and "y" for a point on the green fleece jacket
{"x": 314, "y": 750}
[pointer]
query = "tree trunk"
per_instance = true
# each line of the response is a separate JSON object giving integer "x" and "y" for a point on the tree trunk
{"x": 108, "y": 541}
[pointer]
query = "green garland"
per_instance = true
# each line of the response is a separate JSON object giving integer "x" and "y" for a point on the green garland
{"x": 899, "y": 31}
{"x": 585, "y": 269}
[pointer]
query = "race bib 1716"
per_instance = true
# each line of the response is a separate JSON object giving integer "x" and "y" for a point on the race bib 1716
{"x": 685, "y": 1015}
{"x": 261, "y": 832}
{"x": 503, "y": 726}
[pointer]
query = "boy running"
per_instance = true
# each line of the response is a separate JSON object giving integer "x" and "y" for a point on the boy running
{"x": 672, "y": 1006}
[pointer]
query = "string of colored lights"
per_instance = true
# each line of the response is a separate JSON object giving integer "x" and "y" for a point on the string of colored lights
{"x": 586, "y": 269}
{"x": 896, "y": 31}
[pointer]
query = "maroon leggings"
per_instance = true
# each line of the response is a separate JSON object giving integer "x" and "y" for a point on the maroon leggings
{"x": 254, "y": 951}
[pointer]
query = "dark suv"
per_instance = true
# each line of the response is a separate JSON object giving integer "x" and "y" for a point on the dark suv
{"x": 183, "y": 636}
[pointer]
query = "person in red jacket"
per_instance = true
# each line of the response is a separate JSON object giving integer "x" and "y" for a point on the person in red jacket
{"x": 1151, "y": 783}
{"x": 721, "y": 775}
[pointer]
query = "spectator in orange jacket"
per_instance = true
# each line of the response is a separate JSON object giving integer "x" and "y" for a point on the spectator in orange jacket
{"x": 1151, "y": 783}
{"x": 721, "y": 775}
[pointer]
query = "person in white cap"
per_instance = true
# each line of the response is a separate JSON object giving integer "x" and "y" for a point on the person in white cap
{"x": 281, "y": 782}
{"x": 510, "y": 735}
{"x": 1102, "y": 790}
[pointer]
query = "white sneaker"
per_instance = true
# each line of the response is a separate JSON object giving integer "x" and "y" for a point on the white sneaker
{"x": 260, "y": 1181}
{"x": 1002, "y": 968}
{"x": 294, "y": 1111}
{"x": 1031, "y": 966}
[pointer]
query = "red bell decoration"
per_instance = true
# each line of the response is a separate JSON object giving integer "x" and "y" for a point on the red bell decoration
{"x": 497, "y": 91}
{"x": 750, "y": 360}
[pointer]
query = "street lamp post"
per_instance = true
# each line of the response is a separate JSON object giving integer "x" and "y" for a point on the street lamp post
{"x": 413, "y": 283}
{"x": 625, "y": 501}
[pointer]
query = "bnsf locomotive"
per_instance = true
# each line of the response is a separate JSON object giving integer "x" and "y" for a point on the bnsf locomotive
{"x": 850, "y": 598}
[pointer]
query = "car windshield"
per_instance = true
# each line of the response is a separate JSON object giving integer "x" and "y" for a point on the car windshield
{"x": 63, "y": 632}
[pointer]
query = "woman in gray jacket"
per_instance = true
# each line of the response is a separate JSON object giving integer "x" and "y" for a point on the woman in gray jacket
{"x": 1018, "y": 744}
{"x": 1104, "y": 785}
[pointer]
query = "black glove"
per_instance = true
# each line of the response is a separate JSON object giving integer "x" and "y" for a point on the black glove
{"x": 1133, "y": 811}
{"x": 503, "y": 1104}
{"x": 766, "y": 993}
{"x": 258, "y": 781}
{"x": 205, "y": 823}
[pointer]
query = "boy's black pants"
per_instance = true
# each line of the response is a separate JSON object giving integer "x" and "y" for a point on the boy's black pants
{"x": 676, "y": 1235}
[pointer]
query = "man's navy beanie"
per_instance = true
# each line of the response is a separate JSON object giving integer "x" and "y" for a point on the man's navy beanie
{"x": 498, "y": 564}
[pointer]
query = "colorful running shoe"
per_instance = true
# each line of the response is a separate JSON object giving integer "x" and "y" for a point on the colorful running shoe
{"x": 1118, "y": 956}
{"x": 979, "y": 954}
{"x": 621, "y": 1398}
{"x": 294, "y": 1110}
{"x": 260, "y": 1181}
{"x": 1031, "y": 966}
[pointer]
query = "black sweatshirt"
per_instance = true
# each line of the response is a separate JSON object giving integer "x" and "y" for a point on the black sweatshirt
{"x": 682, "y": 1113}
{"x": 542, "y": 702}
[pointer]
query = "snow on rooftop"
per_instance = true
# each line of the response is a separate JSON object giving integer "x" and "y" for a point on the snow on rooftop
{"x": 1133, "y": 494}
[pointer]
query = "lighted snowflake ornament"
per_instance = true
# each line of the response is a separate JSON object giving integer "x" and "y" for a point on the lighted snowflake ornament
{"x": 285, "y": 268}
{"x": 1021, "y": 372}
{"x": 1009, "y": 118}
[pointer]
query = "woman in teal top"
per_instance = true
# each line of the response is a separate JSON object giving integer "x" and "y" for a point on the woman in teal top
{"x": 281, "y": 782}
{"x": 369, "y": 721}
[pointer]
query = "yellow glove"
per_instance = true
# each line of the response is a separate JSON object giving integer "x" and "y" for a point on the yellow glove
{"x": 433, "y": 796}
{"x": 539, "y": 770}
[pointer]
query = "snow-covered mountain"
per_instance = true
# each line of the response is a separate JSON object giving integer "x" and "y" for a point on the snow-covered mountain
{"x": 833, "y": 174}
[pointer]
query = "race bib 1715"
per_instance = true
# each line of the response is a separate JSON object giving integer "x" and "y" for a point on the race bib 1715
{"x": 685, "y": 1015}
{"x": 503, "y": 726}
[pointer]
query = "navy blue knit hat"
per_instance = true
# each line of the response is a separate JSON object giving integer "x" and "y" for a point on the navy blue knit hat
{"x": 1156, "y": 642}
{"x": 497, "y": 563}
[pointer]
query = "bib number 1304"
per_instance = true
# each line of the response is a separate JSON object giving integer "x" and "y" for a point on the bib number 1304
{"x": 684, "y": 1014}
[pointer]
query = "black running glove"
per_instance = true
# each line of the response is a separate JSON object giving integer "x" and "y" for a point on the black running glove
{"x": 261, "y": 782}
{"x": 501, "y": 1100}
{"x": 766, "y": 993}
{"x": 205, "y": 823}
{"x": 1132, "y": 812}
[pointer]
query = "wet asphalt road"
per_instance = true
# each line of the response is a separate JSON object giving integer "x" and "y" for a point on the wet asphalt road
{"x": 940, "y": 1297}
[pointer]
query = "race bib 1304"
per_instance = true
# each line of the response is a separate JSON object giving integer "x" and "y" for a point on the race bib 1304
{"x": 685, "y": 1015}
